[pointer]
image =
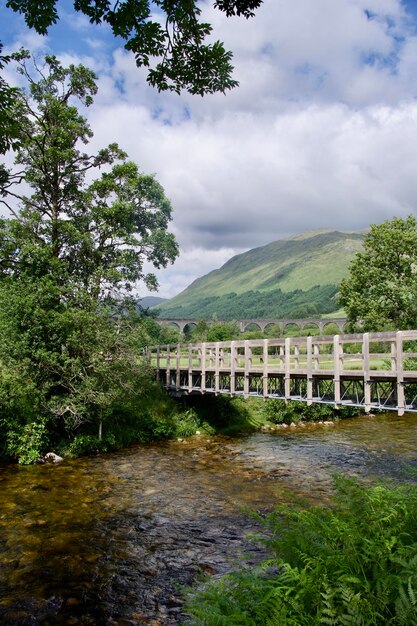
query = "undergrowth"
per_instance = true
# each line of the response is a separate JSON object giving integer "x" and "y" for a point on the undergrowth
{"x": 352, "y": 563}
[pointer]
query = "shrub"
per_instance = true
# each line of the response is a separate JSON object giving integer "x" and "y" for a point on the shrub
{"x": 82, "y": 445}
{"x": 280, "y": 412}
{"x": 27, "y": 443}
{"x": 352, "y": 563}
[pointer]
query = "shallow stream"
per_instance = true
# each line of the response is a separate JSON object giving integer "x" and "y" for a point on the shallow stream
{"x": 113, "y": 539}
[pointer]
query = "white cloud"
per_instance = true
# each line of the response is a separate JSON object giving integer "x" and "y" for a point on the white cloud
{"x": 320, "y": 133}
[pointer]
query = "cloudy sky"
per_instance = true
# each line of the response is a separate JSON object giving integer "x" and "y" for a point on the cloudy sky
{"x": 321, "y": 132}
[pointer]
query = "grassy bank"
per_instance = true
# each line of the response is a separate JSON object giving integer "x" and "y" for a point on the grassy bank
{"x": 154, "y": 416}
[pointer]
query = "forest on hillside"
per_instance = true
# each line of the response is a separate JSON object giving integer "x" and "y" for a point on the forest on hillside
{"x": 274, "y": 304}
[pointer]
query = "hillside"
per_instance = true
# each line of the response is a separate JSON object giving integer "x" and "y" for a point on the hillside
{"x": 150, "y": 301}
{"x": 282, "y": 279}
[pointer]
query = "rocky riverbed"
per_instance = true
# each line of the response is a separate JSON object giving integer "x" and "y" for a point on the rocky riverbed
{"x": 115, "y": 539}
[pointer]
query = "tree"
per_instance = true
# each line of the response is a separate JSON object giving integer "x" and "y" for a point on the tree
{"x": 9, "y": 129}
{"x": 223, "y": 331}
{"x": 70, "y": 256}
{"x": 381, "y": 289}
{"x": 168, "y": 31}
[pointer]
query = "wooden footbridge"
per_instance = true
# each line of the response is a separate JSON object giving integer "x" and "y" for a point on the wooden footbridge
{"x": 370, "y": 370}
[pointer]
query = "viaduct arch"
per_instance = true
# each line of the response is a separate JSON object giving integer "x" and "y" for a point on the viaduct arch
{"x": 262, "y": 324}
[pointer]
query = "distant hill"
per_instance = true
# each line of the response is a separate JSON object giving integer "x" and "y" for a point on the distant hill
{"x": 295, "y": 277}
{"x": 150, "y": 301}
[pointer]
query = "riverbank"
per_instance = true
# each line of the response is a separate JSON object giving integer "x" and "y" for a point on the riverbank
{"x": 159, "y": 417}
{"x": 110, "y": 539}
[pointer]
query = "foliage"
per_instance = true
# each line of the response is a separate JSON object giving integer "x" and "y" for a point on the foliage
{"x": 273, "y": 304}
{"x": 83, "y": 445}
{"x": 381, "y": 290}
{"x": 226, "y": 415}
{"x": 281, "y": 412}
{"x": 69, "y": 257}
{"x": 354, "y": 562}
{"x": 222, "y": 331}
{"x": 9, "y": 133}
{"x": 27, "y": 442}
{"x": 169, "y": 32}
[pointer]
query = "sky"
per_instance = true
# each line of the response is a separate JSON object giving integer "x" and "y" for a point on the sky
{"x": 321, "y": 132}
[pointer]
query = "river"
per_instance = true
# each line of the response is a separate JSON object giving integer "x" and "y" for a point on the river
{"x": 112, "y": 539}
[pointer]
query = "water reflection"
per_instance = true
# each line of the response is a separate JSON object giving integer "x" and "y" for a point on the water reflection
{"x": 107, "y": 540}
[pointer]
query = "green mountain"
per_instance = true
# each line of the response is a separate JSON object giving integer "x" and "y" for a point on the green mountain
{"x": 150, "y": 301}
{"x": 293, "y": 277}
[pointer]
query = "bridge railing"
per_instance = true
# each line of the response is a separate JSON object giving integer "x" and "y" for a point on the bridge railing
{"x": 260, "y": 365}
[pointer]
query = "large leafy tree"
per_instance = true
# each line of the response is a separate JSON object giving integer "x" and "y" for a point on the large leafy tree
{"x": 168, "y": 32}
{"x": 381, "y": 289}
{"x": 96, "y": 234}
{"x": 81, "y": 229}
{"x": 9, "y": 130}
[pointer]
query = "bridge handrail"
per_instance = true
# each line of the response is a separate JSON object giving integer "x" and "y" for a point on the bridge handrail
{"x": 372, "y": 357}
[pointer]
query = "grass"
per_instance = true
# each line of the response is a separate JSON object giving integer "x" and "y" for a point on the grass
{"x": 325, "y": 362}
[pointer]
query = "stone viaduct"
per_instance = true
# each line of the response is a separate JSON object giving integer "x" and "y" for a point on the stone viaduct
{"x": 262, "y": 324}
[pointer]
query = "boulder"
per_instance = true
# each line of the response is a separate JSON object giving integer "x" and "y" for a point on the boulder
{"x": 51, "y": 457}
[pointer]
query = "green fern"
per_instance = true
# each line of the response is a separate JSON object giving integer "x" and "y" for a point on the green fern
{"x": 354, "y": 563}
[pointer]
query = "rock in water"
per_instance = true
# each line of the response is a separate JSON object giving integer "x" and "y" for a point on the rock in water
{"x": 51, "y": 457}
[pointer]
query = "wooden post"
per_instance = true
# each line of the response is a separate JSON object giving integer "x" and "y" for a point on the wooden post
{"x": 366, "y": 372}
{"x": 309, "y": 371}
{"x": 394, "y": 355}
{"x": 168, "y": 370}
{"x": 232, "y": 367}
{"x": 158, "y": 362}
{"x": 336, "y": 370}
{"x": 217, "y": 369}
{"x": 296, "y": 357}
{"x": 282, "y": 358}
{"x": 190, "y": 368}
{"x": 316, "y": 354}
{"x": 400, "y": 373}
{"x": 287, "y": 376}
{"x": 248, "y": 353}
{"x": 203, "y": 368}
{"x": 265, "y": 368}
{"x": 178, "y": 376}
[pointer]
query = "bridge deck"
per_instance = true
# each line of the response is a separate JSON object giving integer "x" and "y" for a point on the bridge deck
{"x": 371, "y": 370}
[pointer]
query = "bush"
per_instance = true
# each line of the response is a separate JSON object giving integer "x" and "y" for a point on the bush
{"x": 28, "y": 442}
{"x": 188, "y": 422}
{"x": 83, "y": 445}
{"x": 280, "y": 412}
{"x": 352, "y": 563}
